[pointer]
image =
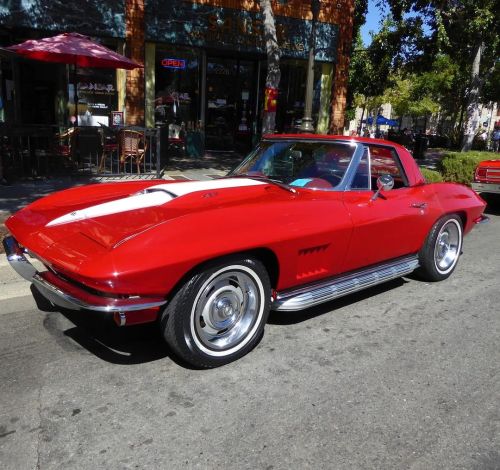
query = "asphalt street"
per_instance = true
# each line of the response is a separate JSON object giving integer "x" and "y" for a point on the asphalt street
{"x": 403, "y": 376}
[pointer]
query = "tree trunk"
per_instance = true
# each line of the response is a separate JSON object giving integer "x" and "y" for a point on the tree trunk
{"x": 273, "y": 68}
{"x": 360, "y": 127}
{"x": 472, "y": 118}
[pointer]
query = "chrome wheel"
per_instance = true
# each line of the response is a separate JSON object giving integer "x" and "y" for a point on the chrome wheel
{"x": 448, "y": 246}
{"x": 227, "y": 310}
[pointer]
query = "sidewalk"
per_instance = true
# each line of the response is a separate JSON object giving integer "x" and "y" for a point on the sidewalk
{"x": 431, "y": 159}
{"x": 212, "y": 165}
{"x": 20, "y": 193}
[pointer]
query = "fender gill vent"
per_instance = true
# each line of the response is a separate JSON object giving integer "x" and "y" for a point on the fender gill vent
{"x": 311, "y": 262}
{"x": 313, "y": 250}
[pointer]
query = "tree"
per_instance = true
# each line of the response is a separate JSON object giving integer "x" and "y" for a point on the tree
{"x": 356, "y": 65}
{"x": 421, "y": 94}
{"x": 273, "y": 67}
{"x": 373, "y": 68}
{"x": 467, "y": 31}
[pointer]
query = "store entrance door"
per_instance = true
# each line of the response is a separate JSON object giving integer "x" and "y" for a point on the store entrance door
{"x": 230, "y": 107}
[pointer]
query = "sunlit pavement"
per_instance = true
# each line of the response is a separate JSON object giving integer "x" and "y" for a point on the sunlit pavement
{"x": 405, "y": 375}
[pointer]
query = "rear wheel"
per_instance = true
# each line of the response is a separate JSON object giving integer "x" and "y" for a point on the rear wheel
{"x": 439, "y": 255}
{"x": 219, "y": 314}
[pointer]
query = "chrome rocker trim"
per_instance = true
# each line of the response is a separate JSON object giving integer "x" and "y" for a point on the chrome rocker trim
{"x": 73, "y": 297}
{"x": 301, "y": 298}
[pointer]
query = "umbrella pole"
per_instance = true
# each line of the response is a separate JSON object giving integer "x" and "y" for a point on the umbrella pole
{"x": 75, "y": 91}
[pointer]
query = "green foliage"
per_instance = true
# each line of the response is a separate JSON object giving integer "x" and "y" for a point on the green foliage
{"x": 459, "y": 167}
{"x": 399, "y": 95}
{"x": 356, "y": 68}
{"x": 350, "y": 114}
{"x": 421, "y": 94}
{"x": 438, "y": 40}
{"x": 491, "y": 87}
{"x": 360, "y": 10}
{"x": 431, "y": 176}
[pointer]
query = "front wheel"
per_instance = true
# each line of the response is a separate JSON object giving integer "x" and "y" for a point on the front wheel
{"x": 442, "y": 248}
{"x": 219, "y": 314}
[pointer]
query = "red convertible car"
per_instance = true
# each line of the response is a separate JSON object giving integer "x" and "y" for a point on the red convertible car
{"x": 487, "y": 177}
{"x": 304, "y": 219}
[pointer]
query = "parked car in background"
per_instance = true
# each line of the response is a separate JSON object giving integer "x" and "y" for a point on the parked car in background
{"x": 304, "y": 219}
{"x": 487, "y": 177}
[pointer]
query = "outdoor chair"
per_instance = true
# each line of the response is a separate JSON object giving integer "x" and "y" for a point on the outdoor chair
{"x": 65, "y": 143}
{"x": 64, "y": 150}
{"x": 133, "y": 146}
{"x": 109, "y": 145}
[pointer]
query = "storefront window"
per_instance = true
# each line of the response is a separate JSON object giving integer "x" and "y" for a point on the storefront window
{"x": 177, "y": 87}
{"x": 231, "y": 90}
{"x": 6, "y": 89}
{"x": 292, "y": 92}
{"x": 97, "y": 96}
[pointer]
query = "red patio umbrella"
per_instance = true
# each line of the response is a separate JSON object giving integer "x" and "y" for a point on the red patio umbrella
{"x": 73, "y": 48}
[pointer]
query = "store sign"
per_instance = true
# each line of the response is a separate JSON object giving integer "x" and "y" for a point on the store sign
{"x": 102, "y": 17}
{"x": 170, "y": 63}
{"x": 97, "y": 96}
{"x": 202, "y": 25}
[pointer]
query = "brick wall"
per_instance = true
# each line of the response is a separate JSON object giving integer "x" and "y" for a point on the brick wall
{"x": 301, "y": 9}
{"x": 134, "y": 38}
{"x": 339, "y": 92}
{"x": 339, "y": 12}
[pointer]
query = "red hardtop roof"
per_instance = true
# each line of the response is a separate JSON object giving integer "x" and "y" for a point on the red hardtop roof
{"x": 412, "y": 171}
{"x": 345, "y": 138}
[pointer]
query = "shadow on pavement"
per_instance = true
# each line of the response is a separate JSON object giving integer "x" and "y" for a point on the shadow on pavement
{"x": 125, "y": 346}
{"x": 97, "y": 333}
{"x": 493, "y": 204}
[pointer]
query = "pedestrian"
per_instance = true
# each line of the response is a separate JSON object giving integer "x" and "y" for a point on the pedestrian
{"x": 407, "y": 139}
{"x": 495, "y": 137}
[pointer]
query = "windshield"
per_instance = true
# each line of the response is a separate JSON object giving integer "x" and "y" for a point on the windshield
{"x": 314, "y": 165}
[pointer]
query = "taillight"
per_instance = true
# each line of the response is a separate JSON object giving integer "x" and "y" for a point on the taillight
{"x": 480, "y": 173}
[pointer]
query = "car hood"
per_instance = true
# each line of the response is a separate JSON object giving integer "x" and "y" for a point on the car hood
{"x": 86, "y": 221}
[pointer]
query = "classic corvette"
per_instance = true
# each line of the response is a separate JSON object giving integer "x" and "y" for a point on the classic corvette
{"x": 304, "y": 219}
{"x": 487, "y": 177}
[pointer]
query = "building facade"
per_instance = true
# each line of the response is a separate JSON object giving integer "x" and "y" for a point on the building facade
{"x": 204, "y": 65}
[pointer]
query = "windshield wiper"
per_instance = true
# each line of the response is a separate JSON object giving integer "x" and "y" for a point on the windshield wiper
{"x": 266, "y": 179}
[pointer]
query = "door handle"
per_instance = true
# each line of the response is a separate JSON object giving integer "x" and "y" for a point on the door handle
{"x": 419, "y": 205}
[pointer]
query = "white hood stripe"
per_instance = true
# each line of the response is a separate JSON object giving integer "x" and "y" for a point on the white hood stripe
{"x": 159, "y": 195}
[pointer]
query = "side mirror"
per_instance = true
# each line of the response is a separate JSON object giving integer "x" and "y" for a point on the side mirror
{"x": 384, "y": 182}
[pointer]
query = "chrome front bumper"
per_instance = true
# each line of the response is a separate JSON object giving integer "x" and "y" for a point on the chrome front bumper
{"x": 68, "y": 295}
